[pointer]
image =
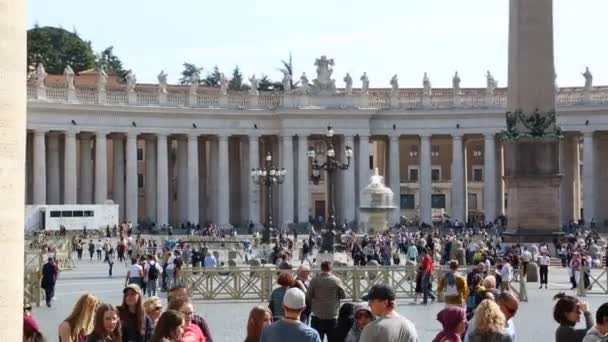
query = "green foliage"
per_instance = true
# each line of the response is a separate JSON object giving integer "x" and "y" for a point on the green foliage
{"x": 187, "y": 74}
{"x": 287, "y": 68}
{"x": 107, "y": 60}
{"x": 236, "y": 82}
{"x": 55, "y": 48}
{"x": 265, "y": 84}
{"x": 213, "y": 78}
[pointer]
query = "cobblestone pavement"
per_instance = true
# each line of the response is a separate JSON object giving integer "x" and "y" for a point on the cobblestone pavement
{"x": 228, "y": 319}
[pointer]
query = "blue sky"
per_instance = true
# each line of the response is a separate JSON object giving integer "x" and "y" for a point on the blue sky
{"x": 381, "y": 37}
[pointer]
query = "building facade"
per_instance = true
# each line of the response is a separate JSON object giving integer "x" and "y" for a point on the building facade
{"x": 174, "y": 154}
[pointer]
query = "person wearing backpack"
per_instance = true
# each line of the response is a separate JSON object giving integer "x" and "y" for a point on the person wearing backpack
{"x": 152, "y": 271}
{"x": 454, "y": 286}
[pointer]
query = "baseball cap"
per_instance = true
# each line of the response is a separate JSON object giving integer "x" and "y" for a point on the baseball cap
{"x": 133, "y": 287}
{"x": 294, "y": 299}
{"x": 380, "y": 291}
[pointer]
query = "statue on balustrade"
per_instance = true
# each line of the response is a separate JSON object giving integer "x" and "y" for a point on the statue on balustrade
{"x": 40, "y": 76}
{"x": 304, "y": 84}
{"x": 102, "y": 79}
{"x": 196, "y": 78}
{"x": 456, "y": 83}
{"x": 255, "y": 84}
{"x": 328, "y": 236}
{"x": 349, "y": 85}
{"x": 324, "y": 84}
{"x": 68, "y": 74}
{"x": 588, "y": 79}
{"x": 426, "y": 85}
{"x": 394, "y": 85}
{"x": 286, "y": 81}
{"x": 131, "y": 80}
{"x": 223, "y": 84}
{"x": 162, "y": 82}
{"x": 490, "y": 84}
{"x": 364, "y": 84}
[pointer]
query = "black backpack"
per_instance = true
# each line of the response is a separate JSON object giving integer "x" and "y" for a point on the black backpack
{"x": 153, "y": 272}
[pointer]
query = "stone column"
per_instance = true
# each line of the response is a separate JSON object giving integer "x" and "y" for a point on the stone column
{"x": 52, "y": 169}
{"x": 86, "y": 169}
{"x": 101, "y": 168}
{"x": 223, "y": 183}
{"x": 69, "y": 169}
{"x": 426, "y": 184}
{"x": 182, "y": 180}
{"x": 395, "y": 177}
{"x": 132, "y": 190}
{"x": 118, "y": 175}
{"x": 576, "y": 176}
{"x": 288, "y": 186}
{"x": 303, "y": 176}
{"x": 566, "y": 168}
{"x": 12, "y": 159}
{"x": 162, "y": 181}
{"x": 349, "y": 203}
{"x": 500, "y": 184}
{"x": 363, "y": 165}
{"x": 458, "y": 178}
{"x": 489, "y": 179}
{"x": 254, "y": 189}
{"x": 589, "y": 182}
{"x": 150, "y": 179}
{"x": 193, "y": 186}
{"x": 39, "y": 167}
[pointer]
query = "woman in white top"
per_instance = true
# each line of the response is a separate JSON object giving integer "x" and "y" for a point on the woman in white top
{"x": 544, "y": 261}
{"x": 135, "y": 273}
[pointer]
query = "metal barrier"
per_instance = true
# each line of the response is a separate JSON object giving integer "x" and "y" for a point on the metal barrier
{"x": 598, "y": 281}
{"x": 245, "y": 283}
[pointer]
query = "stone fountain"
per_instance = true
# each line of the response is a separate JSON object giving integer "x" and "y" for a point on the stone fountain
{"x": 376, "y": 206}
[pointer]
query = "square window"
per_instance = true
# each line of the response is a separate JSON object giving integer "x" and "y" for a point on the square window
{"x": 66, "y": 213}
{"x": 413, "y": 176}
{"x": 140, "y": 154}
{"x": 478, "y": 175}
{"x": 88, "y": 213}
{"x": 435, "y": 175}
{"x": 438, "y": 201}
{"x": 140, "y": 180}
{"x": 407, "y": 201}
{"x": 55, "y": 213}
{"x": 78, "y": 213}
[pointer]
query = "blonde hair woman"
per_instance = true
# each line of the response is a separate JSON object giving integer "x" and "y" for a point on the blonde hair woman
{"x": 489, "y": 324}
{"x": 153, "y": 308}
{"x": 79, "y": 323}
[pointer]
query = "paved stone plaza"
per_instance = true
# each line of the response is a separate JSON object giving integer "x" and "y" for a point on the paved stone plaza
{"x": 228, "y": 319}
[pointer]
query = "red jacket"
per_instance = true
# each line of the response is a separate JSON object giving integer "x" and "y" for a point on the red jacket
{"x": 427, "y": 264}
{"x": 192, "y": 333}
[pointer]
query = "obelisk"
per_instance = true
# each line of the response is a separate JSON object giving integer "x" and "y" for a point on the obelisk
{"x": 12, "y": 165}
{"x": 531, "y": 141}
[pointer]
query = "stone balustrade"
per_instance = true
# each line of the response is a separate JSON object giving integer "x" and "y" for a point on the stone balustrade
{"x": 381, "y": 99}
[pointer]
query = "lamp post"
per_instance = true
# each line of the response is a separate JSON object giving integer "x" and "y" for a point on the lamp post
{"x": 267, "y": 177}
{"x": 330, "y": 165}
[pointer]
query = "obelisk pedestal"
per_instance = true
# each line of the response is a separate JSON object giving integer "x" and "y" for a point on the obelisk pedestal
{"x": 531, "y": 142}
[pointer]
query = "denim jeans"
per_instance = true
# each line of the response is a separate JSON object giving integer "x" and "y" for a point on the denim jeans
{"x": 427, "y": 287}
{"x": 152, "y": 287}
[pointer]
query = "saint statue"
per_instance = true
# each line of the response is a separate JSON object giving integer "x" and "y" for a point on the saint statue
{"x": 195, "y": 78}
{"x": 102, "y": 79}
{"x": 349, "y": 85}
{"x": 364, "y": 84}
{"x": 131, "y": 80}
{"x": 286, "y": 81}
{"x": 68, "y": 73}
{"x": 223, "y": 84}
{"x": 324, "y": 85}
{"x": 456, "y": 83}
{"x": 255, "y": 84}
{"x": 304, "y": 85}
{"x": 426, "y": 85}
{"x": 490, "y": 84}
{"x": 162, "y": 82}
{"x": 40, "y": 76}
{"x": 394, "y": 85}
{"x": 588, "y": 79}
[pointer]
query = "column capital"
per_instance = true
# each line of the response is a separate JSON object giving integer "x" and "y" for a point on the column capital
{"x": 425, "y": 136}
{"x": 349, "y": 137}
{"x": 70, "y": 133}
{"x": 132, "y": 134}
{"x": 101, "y": 133}
{"x": 223, "y": 136}
{"x": 457, "y": 135}
{"x": 40, "y": 132}
{"x": 253, "y": 135}
{"x": 193, "y": 136}
{"x": 286, "y": 136}
{"x": 161, "y": 135}
{"x": 489, "y": 135}
{"x": 588, "y": 134}
{"x": 394, "y": 137}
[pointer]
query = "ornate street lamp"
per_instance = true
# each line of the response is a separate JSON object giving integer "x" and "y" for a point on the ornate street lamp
{"x": 268, "y": 177}
{"x": 330, "y": 165}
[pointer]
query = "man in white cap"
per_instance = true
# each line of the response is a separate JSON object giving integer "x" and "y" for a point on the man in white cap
{"x": 290, "y": 328}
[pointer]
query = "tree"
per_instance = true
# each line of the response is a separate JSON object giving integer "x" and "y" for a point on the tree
{"x": 55, "y": 48}
{"x": 107, "y": 60}
{"x": 188, "y": 73}
{"x": 265, "y": 83}
{"x": 213, "y": 78}
{"x": 288, "y": 68}
{"x": 236, "y": 82}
